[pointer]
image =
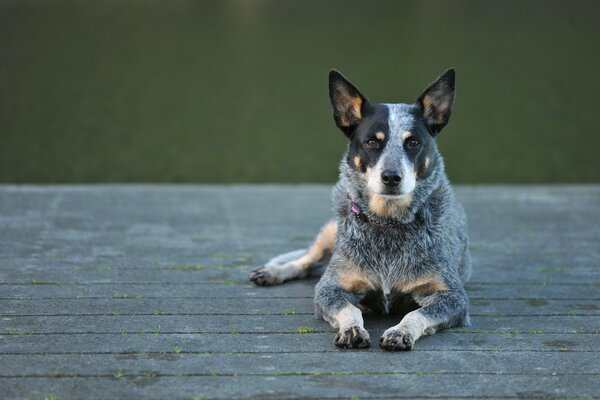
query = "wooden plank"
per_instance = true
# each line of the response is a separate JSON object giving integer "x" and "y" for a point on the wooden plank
{"x": 292, "y": 289}
{"x": 269, "y": 324}
{"x": 286, "y": 343}
{"x": 322, "y": 386}
{"x": 265, "y": 306}
{"x": 217, "y": 271}
{"x": 93, "y": 250}
{"x": 175, "y": 362}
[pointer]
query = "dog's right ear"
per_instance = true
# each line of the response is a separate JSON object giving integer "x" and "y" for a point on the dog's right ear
{"x": 347, "y": 102}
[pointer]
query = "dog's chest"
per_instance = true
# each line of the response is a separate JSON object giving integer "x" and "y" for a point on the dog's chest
{"x": 391, "y": 261}
{"x": 388, "y": 252}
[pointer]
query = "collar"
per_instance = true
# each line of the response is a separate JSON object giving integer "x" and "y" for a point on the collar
{"x": 360, "y": 215}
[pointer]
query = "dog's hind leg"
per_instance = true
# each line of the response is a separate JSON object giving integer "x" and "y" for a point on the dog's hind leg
{"x": 297, "y": 264}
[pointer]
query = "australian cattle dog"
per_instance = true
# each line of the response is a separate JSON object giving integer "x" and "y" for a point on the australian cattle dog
{"x": 399, "y": 237}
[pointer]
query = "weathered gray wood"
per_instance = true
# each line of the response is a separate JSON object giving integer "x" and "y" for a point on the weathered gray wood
{"x": 266, "y": 306}
{"x": 172, "y": 363}
{"x": 272, "y": 323}
{"x": 140, "y": 291}
{"x": 414, "y": 385}
{"x": 286, "y": 343}
{"x": 539, "y": 272}
{"x": 303, "y": 289}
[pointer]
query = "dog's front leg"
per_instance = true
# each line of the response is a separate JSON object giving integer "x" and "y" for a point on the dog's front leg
{"x": 440, "y": 310}
{"x": 336, "y": 306}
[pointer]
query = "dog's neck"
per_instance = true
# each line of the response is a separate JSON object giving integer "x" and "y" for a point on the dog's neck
{"x": 361, "y": 216}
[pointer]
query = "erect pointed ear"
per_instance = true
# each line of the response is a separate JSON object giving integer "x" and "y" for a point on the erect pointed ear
{"x": 436, "y": 101}
{"x": 347, "y": 102}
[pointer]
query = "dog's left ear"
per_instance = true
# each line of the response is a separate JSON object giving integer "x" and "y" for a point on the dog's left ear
{"x": 436, "y": 101}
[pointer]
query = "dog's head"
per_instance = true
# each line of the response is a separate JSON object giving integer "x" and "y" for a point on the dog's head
{"x": 392, "y": 146}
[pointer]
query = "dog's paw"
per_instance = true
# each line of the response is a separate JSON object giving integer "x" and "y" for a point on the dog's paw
{"x": 352, "y": 338}
{"x": 396, "y": 340}
{"x": 264, "y": 277}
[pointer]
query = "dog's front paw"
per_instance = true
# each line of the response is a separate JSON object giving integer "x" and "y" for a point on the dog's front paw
{"x": 396, "y": 340}
{"x": 352, "y": 338}
{"x": 263, "y": 277}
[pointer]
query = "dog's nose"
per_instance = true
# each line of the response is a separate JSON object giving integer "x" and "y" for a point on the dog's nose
{"x": 390, "y": 177}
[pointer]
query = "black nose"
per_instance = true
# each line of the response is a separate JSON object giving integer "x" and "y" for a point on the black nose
{"x": 390, "y": 178}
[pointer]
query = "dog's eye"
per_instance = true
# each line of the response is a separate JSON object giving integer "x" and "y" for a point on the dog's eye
{"x": 372, "y": 143}
{"x": 412, "y": 143}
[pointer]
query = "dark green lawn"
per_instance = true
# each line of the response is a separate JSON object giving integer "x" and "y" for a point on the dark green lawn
{"x": 182, "y": 91}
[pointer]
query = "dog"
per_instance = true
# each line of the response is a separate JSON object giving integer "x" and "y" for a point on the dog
{"x": 399, "y": 239}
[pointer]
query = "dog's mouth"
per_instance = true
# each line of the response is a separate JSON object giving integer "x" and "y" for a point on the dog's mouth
{"x": 392, "y": 193}
{"x": 389, "y": 206}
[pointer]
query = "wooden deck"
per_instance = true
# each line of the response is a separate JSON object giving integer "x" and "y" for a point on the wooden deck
{"x": 140, "y": 292}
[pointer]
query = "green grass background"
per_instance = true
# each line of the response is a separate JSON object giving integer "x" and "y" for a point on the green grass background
{"x": 236, "y": 91}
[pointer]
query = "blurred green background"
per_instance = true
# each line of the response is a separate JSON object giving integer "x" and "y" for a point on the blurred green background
{"x": 236, "y": 91}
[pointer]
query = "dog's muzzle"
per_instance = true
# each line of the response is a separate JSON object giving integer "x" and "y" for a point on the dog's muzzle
{"x": 391, "y": 178}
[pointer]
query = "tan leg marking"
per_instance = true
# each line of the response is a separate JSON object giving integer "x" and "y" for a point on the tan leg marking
{"x": 322, "y": 245}
{"x": 353, "y": 281}
{"x": 389, "y": 207}
{"x": 414, "y": 324}
{"x": 424, "y": 285}
{"x": 276, "y": 274}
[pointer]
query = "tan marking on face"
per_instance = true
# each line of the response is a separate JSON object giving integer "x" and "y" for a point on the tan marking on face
{"x": 380, "y": 136}
{"x": 389, "y": 207}
{"x": 322, "y": 246}
{"x": 422, "y": 170}
{"x": 353, "y": 280}
{"x": 357, "y": 161}
{"x": 406, "y": 135}
{"x": 423, "y": 285}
